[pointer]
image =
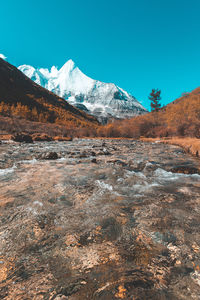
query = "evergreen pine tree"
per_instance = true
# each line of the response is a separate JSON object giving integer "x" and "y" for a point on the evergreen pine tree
{"x": 155, "y": 97}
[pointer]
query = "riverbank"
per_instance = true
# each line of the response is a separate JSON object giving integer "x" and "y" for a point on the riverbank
{"x": 190, "y": 145}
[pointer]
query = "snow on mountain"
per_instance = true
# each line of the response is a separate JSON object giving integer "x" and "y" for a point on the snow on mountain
{"x": 3, "y": 56}
{"x": 103, "y": 100}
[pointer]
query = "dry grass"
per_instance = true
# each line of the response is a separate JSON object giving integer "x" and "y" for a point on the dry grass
{"x": 5, "y": 137}
{"x": 190, "y": 145}
{"x": 10, "y": 126}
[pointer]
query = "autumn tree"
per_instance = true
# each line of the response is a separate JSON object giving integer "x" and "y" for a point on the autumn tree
{"x": 155, "y": 98}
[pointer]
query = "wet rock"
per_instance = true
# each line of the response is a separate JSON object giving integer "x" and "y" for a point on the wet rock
{"x": 137, "y": 166}
{"x": 70, "y": 289}
{"x": 52, "y": 200}
{"x": 60, "y": 297}
{"x": 104, "y": 151}
{"x": 164, "y": 238}
{"x": 83, "y": 155}
{"x": 48, "y": 156}
{"x": 85, "y": 239}
{"x": 110, "y": 228}
{"x": 151, "y": 166}
{"x": 118, "y": 162}
{"x": 94, "y": 161}
{"x": 22, "y": 138}
{"x": 94, "y": 146}
{"x": 100, "y": 153}
{"x": 179, "y": 151}
{"x": 114, "y": 148}
{"x": 65, "y": 201}
{"x": 185, "y": 169}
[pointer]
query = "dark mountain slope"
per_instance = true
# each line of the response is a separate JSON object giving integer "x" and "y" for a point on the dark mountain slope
{"x": 20, "y": 96}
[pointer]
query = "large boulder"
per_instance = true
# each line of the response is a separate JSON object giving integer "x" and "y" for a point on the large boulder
{"x": 104, "y": 151}
{"x": 184, "y": 169}
{"x": 22, "y": 138}
{"x": 48, "y": 156}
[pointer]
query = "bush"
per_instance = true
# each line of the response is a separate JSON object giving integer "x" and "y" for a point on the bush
{"x": 181, "y": 129}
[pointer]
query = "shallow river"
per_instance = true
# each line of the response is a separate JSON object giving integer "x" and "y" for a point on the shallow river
{"x": 106, "y": 220}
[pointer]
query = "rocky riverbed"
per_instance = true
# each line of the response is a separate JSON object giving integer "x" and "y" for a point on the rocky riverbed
{"x": 93, "y": 219}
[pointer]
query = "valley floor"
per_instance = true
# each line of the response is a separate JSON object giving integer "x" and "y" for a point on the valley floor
{"x": 113, "y": 219}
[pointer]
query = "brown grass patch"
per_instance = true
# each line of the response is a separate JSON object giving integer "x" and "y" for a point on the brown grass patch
{"x": 190, "y": 145}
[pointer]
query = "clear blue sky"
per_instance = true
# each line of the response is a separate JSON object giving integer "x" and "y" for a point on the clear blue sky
{"x": 137, "y": 44}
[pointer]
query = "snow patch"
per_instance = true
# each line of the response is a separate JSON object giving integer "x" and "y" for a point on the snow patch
{"x": 3, "y": 56}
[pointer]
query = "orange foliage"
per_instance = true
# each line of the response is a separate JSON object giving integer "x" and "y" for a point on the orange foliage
{"x": 181, "y": 117}
{"x": 50, "y": 114}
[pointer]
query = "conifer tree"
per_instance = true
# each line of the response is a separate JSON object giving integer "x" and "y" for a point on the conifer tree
{"x": 155, "y": 98}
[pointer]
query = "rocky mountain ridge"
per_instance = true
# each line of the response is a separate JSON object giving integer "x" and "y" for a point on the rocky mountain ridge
{"x": 103, "y": 100}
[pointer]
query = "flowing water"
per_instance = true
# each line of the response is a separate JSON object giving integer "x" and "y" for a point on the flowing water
{"x": 110, "y": 219}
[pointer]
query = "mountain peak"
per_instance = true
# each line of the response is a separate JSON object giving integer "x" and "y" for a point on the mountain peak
{"x": 100, "y": 99}
{"x": 68, "y": 66}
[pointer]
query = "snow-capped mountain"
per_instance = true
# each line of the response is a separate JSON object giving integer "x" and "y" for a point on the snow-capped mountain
{"x": 103, "y": 100}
